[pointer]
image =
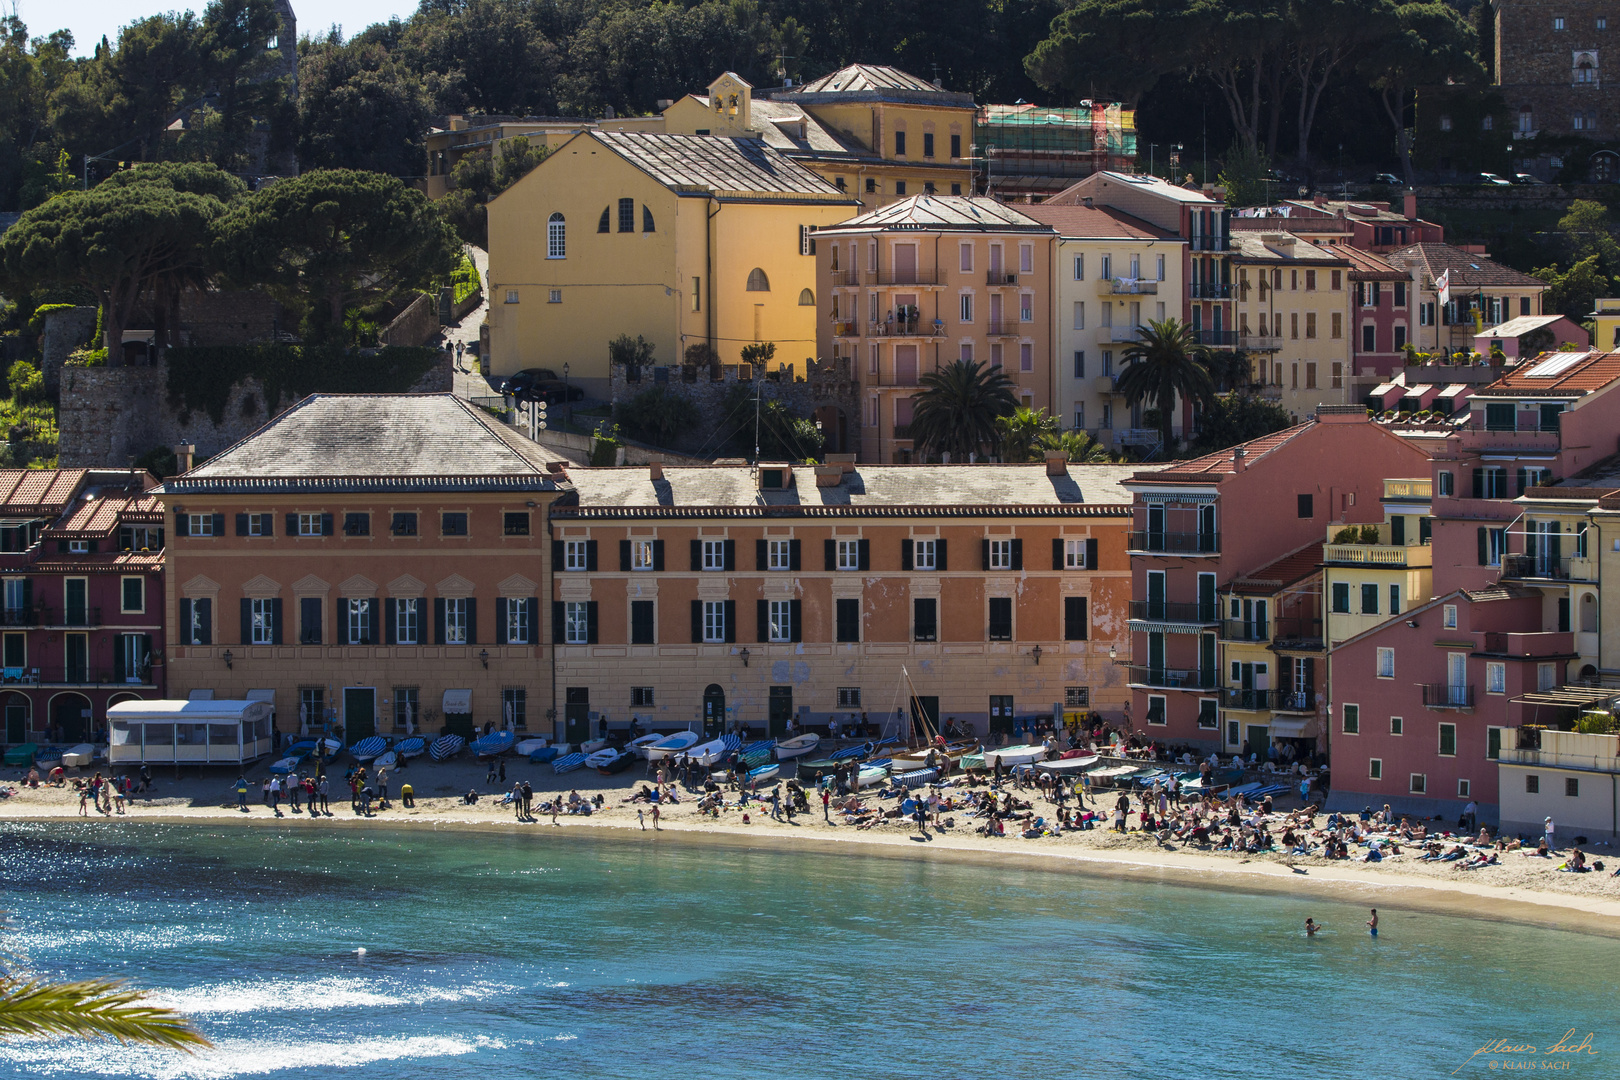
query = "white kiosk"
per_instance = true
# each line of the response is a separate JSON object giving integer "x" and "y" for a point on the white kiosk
{"x": 189, "y": 732}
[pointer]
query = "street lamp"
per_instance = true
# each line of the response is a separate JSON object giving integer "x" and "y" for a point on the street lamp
{"x": 566, "y": 395}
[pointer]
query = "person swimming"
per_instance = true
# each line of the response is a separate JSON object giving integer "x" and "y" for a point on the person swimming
{"x": 1311, "y": 927}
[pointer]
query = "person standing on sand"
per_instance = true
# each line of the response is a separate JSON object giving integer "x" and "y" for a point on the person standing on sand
{"x": 826, "y": 800}
{"x": 656, "y": 816}
{"x": 641, "y": 816}
{"x": 517, "y": 801}
{"x": 1372, "y": 923}
{"x": 407, "y": 796}
{"x": 241, "y": 793}
{"x": 528, "y": 801}
{"x": 326, "y": 806}
{"x": 1548, "y": 829}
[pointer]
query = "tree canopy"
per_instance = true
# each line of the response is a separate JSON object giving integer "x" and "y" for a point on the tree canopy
{"x": 957, "y": 410}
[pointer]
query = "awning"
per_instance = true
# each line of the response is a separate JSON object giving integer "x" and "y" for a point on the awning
{"x": 201, "y": 694}
{"x": 458, "y": 702}
{"x": 1293, "y": 727}
{"x": 262, "y": 695}
{"x": 1573, "y": 697}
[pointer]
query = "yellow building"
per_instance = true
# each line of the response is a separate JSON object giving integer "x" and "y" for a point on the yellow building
{"x": 915, "y": 285}
{"x": 463, "y": 136}
{"x": 1293, "y": 318}
{"x": 1114, "y": 274}
{"x": 1370, "y": 579}
{"x": 681, "y": 239}
{"x": 1270, "y": 648}
{"x": 1607, "y": 328}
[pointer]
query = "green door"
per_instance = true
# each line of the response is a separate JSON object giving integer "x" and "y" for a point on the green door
{"x": 781, "y": 710}
{"x": 359, "y": 713}
{"x": 714, "y": 711}
{"x": 1259, "y": 743}
{"x": 17, "y": 724}
{"x": 577, "y": 714}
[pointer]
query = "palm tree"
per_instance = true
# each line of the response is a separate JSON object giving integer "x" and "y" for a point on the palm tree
{"x": 1163, "y": 363}
{"x": 1078, "y": 445}
{"x": 91, "y": 1009}
{"x": 956, "y": 411}
{"x": 1022, "y": 432}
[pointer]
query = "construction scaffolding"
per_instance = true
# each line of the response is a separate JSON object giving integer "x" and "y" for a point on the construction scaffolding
{"x": 1026, "y": 150}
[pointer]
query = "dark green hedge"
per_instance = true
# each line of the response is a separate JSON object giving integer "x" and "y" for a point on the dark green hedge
{"x": 201, "y": 378}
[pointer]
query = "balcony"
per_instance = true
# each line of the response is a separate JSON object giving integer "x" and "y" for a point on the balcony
{"x": 902, "y": 431}
{"x": 1174, "y": 543}
{"x": 73, "y": 617}
{"x": 1448, "y": 696}
{"x": 1545, "y": 644}
{"x": 1169, "y": 678}
{"x": 1129, "y": 287}
{"x": 1167, "y": 611}
{"x": 1296, "y": 631}
{"x": 1233, "y": 697}
{"x": 1245, "y": 630}
{"x": 907, "y": 329}
{"x": 1227, "y": 338}
{"x": 21, "y": 616}
{"x": 76, "y": 675}
{"x": 1105, "y": 384}
{"x": 1543, "y": 567}
{"x": 1409, "y": 489}
{"x": 1001, "y": 278}
{"x": 1220, "y": 242}
{"x": 1293, "y": 701}
{"x": 1003, "y": 328}
{"x": 1137, "y": 436}
{"x": 846, "y": 279}
{"x": 1408, "y": 556}
{"x": 1210, "y": 290}
{"x": 890, "y": 278}
{"x": 1271, "y": 392}
{"x": 1109, "y": 335}
{"x": 1260, "y": 343}
{"x": 846, "y": 329}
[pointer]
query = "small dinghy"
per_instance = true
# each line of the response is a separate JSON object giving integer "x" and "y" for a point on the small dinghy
{"x": 415, "y": 746}
{"x": 592, "y": 746}
{"x": 529, "y": 746}
{"x": 285, "y": 765}
{"x": 368, "y": 748}
{"x": 49, "y": 756}
{"x": 1014, "y": 755}
{"x": 494, "y": 744}
{"x": 1069, "y": 766}
{"x": 606, "y": 756}
{"x": 618, "y": 764}
{"x": 640, "y": 742}
{"x": 79, "y": 756}
{"x": 869, "y": 777}
{"x": 851, "y": 752}
{"x": 797, "y": 747}
{"x": 305, "y": 747}
{"x": 387, "y": 761}
{"x": 543, "y": 755}
{"x": 22, "y": 754}
{"x": 671, "y": 745}
{"x": 712, "y": 753}
{"x": 916, "y": 778}
{"x": 446, "y": 747}
{"x": 918, "y": 759}
{"x": 765, "y": 773}
{"x": 568, "y": 763}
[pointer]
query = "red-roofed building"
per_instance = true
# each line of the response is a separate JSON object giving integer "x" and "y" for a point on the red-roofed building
{"x": 1209, "y": 531}
{"x": 81, "y": 556}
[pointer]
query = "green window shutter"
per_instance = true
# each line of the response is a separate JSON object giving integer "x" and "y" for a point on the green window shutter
{"x": 500, "y": 620}
{"x": 590, "y": 622}
{"x": 762, "y": 615}
{"x": 793, "y": 555}
{"x": 905, "y": 554}
{"x": 390, "y": 614}
{"x": 438, "y": 620}
{"x": 472, "y": 620}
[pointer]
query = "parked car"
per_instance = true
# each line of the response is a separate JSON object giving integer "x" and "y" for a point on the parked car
{"x": 1490, "y": 179}
{"x": 540, "y": 384}
{"x": 1526, "y": 178}
{"x": 1386, "y": 178}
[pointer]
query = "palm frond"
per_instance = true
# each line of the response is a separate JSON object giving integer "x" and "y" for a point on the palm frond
{"x": 91, "y": 1009}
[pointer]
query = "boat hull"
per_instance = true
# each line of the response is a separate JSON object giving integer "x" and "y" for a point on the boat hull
{"x": 797, "y": 747}
{"x": 1014, "y": 755}
{"x": 415, "y": 746}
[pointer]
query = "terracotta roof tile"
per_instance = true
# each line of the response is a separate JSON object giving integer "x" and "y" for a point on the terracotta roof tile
{"x": 1095, "y": 221}
{"x": 1586, "y": 376}
{"x": 45, "y": 491}
{"x": 1297, "y": 565}
{"x": 1221, "y": 460}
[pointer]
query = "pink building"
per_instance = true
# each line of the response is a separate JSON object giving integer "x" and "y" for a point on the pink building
{"x": 1528, "y": 335}
{"x": 1201, "y": 525}
{"x": 1419, "y": 701}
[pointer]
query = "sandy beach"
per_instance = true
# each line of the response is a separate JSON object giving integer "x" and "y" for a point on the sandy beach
{"x": 1521, "y": 889}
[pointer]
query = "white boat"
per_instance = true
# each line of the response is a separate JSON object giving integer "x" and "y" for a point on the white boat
{"x": 79, "y": 756}
{"x": 592, "y": 746}
{"x": 601, "y": 758}
{"x": 918, "y": 759}
{"x": 415, "y": 746}
{"x": 869, "y": 776}
{"x": 670, "y": 745}
{"x": 765, "y": 773}
{"x": 798, "y": 746}
{"x": 709, "y": 753}
{"x": 529, "y": 746}
{"x": 1013, "y": 755}
{"x": 284, "y": 766}
{"x": 1069, "y": 765}
{"x": 634, "y": 746}
{"x": 387, "y": 761}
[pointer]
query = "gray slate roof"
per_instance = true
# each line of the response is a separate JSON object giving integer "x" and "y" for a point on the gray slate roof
{"x": 873, "y": 82}
{"x": 374, "y": 442}
{"x": 956, "y": 213}
{"x": 870, "y": 490}
{"x": 713, "y": 163}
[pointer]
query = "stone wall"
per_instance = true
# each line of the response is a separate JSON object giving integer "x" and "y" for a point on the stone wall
{"x": 111, "y": 415}
{"x": 418, "y": 324}
{"x": 1536, "y": 65}
{"x": 823, "y": 389}
{"x": 65, "y": 331}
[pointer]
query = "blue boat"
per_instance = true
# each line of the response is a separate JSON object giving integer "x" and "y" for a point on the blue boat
{"x": 878, "y": 763}
{"x": 366, "y": 749}
{"x": 301, "y": 747}
{"x": 850, "y": 752}
{"x": 415, "y": 746}
{"x": 764, "y": 774}
{"x": 755, "y": 747}
{"x": 446, "y": 746}
{"x": 916, "y": 778}
{"x": 49, "y": 755}
{"x": 493, "y": 744}
{"x": 568, "y": 763}
{"x": 543, "y": 755}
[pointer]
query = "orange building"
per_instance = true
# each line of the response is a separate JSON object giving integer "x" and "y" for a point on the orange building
{"x": 908, "y": 288}
{"x": 365, "y": 563}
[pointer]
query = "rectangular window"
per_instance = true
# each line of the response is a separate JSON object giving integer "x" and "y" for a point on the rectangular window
{"x": 1532, "y": 784}
{"x": 453, "y": 524}
{"x": 200, "y": 524}
{"x": 309, "y": 524}
{"x": 1572, "y": 787}
{"x": 1445, "y": 478}
{"x": 714, "y": 621}
{"x": 964, "y": 258}
{"x": 197, "y": 615}
{"x": 132, "y": 595}
{"x": 781, "y": 621}
{"x": 357, "y": 614}
{"x": 899, "y": 144}
{"x": 1001, "y": 557}
{"x": 1074, "y": 554}
{"x": 1077, "y": 697}
{"x": 1546, "y": 676}
{"x": 779, "y": 554}
{"x": 259, "y": 525}
{"x": 924, "y": 554}
{"x": 576, "y": 623}
{"x": 1079, "y": 314}
{"x": 404, "y": 525}
{"x": 517, "y": 622}
{"x": 1001, "y": 619}
{"x": 311, "y": 705}
{"x": 1495, "y": 677}
{"x": 849, "y": 697}
{"x": 964, "y": 311}
{"x": 576, "y": 554}
{"x": 1079, "y": 268}
{"x": 1375, "y": 768}
{"x": 1337, "y": 325}
{"x": 262, "y": 618}
{"x": 356, "y": 524}
{"x": 848, "y": 620}
{"x": 1026, "y": 259}
{"x": 1419, "y": 783}
{"x": 1341, "y": 598}
{"x": 1310, "y": 324}
{"x": 641, "y": 697}
{"x": 1369, "y": 599}
{"x": 407, "y": 707}
{"x": 714, "y": 555}
{"x": 1394, "y": 599}
{"x": 515, "y": 523}
{"x": 1448, "y": 616}
{"x": 1026, "y": 307}
{"x": 1397, "y": 726}
{"x": 1075, "y": 623}
{"x": 512, "y": 294}
{"x": 1465, "y": 787}
{"x": 924, "y": 619}
{"x": 1386, "y": 663}
{"x": 408, "y": 620}
{"x": 310, "y": 620}
{"x": 641, "y": 555}
{"x": 515, "y": 707}
{"x": 1026, "y": 357}
{"x": 455, "y": 621}
{"x": 1156, "y": 714}
{"x": 849, "y": 554}
{"x": 1448, "y": 740}
{"x": 928, "y": 144}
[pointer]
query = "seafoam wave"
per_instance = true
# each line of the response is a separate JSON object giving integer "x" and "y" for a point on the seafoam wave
{"x": 238, "y": 1057}
{"x": 303, "y": 995}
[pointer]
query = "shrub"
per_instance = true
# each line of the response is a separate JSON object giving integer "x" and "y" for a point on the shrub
{"x": 657, "y": 415}
{"x": 1369, "y": 534}
{"x": 1346, "y": 535}
{"x": 87, "y": 358}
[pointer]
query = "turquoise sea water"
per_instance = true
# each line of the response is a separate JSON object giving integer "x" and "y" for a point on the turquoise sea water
{"x": 541, "y": 955}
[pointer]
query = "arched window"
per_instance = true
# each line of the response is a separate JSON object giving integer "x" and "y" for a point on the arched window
{"x": 557, "y": 237}
{"x": 647, "y": 219}
{"x": 602, "y": 222}
{"x": 757, "y": 281}
{"x": 807, "y": 298}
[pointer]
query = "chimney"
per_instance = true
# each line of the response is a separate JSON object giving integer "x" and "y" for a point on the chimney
{"x": 655, "y": 469}
{"x": 1321, "y": 199}
{"x": 845, "y": 462}
{"x": 828, "y": 476}
{"x": 664, "y": 103}
{"x": 1238, "y": 464}
{"x": 1411, "y": 205}
{"x": 1209, "y": 191}
{"x": 607, "y": 112}
{"x": 1057, "y": 463}
{"x": 182, "y": 457}
{"x": 1087, "y": 200}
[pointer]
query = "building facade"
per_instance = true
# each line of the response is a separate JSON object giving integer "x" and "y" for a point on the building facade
{"x": 1548, "y": 67}
{"x": 1293, "y": 318}
{"x": 81, "y": 553}
{"x": 918, "y": 284}
{"x": 1482, "y": 292}
{"x": 705, "y": 596}
{"x": 366, "y": 564}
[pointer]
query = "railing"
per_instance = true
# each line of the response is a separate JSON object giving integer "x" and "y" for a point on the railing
{"x": 1245, "y": 630}
{"x": 1377, "y": 554}
{"x": 1169, "y": 678}
{"x": 1178, "y": 612}
{"x": 1293, "y": 701}
{"x": 1216, "y": 337}
{"x": 1447, "y": 696}
{"x": 1136, "y": 436}
{"x": 1184, "y": 543}
{"x": 72, "y": 616}
{"x": 1268, "y": 700}
{"x": 846, "y": 279}
{"x": 1209, "y": 242}
{"x": 21, "y": 616}
{"x": 1295, "y": 628}
{"x": 906, "y": 329}
{"x": 1105, "y": 384}
{"x": 902, "y": 277}
{"x": 1537, "y": 566}
{"x": 75, "y": 675}
{"x": 1271, "y": 392}
{"x": 1210, "y": 290}
{"x": 1002, "y": 328}
{"x": 892, "y": 378}
{"x": 1130, "y": 287}
{"x": 1001, "y": 277}
{"x": 1110, "y": 334}
{"x": 902, "y": 431}
{"x": 1525, "y": 421}
{"x": 1408, "y": 489}
{"x": 846, "y": 329}
{"x": 1261, "y": 342}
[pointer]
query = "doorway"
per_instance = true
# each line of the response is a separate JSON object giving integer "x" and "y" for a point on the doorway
{"x": 714, "y": 711}
{"x": 1258, "y": 741}
{"x": 359, "y": 713}
{"x": 781, "y": 711}
{"x": 71, "y": 714}
{"x": 925, "y": 714}
{"x": 16, "y": 719}
{"x": 577, "y": 714}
